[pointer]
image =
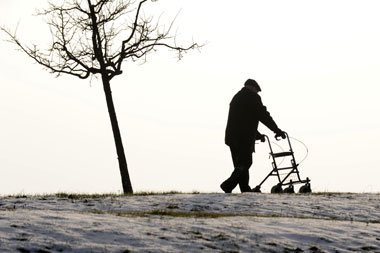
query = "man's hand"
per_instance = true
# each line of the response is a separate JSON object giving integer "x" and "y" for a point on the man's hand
{"x": 280, "y": 133}
{"x": 260, "y": 137}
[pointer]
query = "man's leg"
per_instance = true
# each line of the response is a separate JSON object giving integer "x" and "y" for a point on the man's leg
{"x": 244, "y": 176}
{"x": 228, "y": 185}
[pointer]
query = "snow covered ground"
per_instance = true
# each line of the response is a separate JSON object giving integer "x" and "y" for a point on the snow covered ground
{"x": 214, "y": 222}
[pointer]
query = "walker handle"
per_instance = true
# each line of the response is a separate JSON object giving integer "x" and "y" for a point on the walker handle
{"x": 282, "y": 135}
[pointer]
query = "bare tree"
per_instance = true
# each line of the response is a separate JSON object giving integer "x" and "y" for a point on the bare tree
{"x": 91, "y": 37}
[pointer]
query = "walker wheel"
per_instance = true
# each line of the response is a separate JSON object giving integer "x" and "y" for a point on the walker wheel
{"x": 289, "y": 189}
{"x": 256, "y": 189}
{"x": 305, "y": 188}
{"x": 276, "y": 189}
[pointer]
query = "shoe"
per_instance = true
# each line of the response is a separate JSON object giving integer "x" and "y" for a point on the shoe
{"x": 246, "y": 190}
{"x": 225, "y": 187}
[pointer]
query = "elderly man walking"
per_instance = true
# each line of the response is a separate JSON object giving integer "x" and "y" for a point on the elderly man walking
{"x": 246, "y": 111}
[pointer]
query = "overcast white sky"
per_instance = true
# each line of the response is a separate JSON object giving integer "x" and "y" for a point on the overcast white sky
{"x": 317, "y": 62}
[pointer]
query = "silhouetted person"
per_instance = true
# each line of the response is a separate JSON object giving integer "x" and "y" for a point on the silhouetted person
{"x": 246, "y": 111}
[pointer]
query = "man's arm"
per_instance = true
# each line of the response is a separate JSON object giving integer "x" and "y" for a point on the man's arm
{"x": 266, "y": 118}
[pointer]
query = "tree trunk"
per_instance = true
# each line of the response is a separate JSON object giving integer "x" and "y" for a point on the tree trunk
{"x": 127, "y": 186}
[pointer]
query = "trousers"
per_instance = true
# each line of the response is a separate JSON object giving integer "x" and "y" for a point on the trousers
{"x": 242, "y": 160}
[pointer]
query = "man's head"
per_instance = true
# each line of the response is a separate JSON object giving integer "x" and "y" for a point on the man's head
{"x": 252, "y": 85}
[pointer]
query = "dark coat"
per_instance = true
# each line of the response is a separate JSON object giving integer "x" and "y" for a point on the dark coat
{"x": 246, "y": 110}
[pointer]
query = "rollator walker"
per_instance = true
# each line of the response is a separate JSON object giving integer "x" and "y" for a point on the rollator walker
{"x": 286, "y": 172}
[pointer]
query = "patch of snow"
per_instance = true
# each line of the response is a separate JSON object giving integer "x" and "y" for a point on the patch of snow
{"x": 258, "y": 222}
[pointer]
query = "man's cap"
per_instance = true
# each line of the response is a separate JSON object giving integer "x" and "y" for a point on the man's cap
{"x": 252, "y": 83}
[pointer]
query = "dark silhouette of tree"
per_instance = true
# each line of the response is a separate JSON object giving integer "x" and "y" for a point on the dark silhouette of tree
{"x": 89, "y": 37}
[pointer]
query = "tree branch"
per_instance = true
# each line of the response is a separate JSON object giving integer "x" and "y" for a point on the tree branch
{"x": 135, "y": 23}
{"x": 44, "y": 61}
{"x": 84, "y": 34}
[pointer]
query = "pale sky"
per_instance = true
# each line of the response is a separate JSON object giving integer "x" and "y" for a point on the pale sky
{"x": 317, "y": 62}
